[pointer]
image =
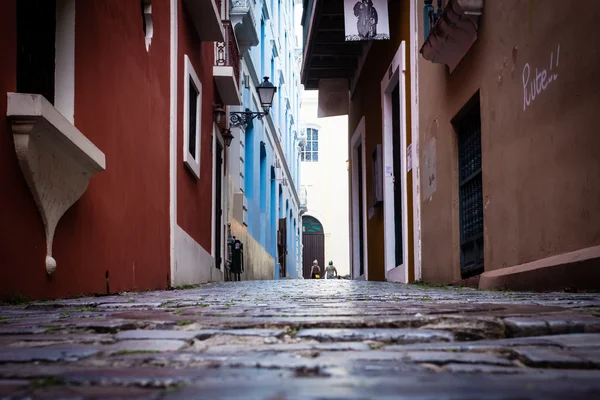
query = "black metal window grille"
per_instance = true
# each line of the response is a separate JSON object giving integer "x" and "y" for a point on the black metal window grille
{"x": 470, "y": 193}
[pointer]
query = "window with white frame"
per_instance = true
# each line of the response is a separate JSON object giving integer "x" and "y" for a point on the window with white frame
{"x": 192, "y": 104}
{"x": 310, "y": 152}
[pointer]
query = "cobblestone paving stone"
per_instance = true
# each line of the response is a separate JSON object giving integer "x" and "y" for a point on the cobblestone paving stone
{"x": 308, "y": 339}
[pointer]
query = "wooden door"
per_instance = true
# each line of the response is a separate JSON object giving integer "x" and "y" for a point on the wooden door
{"x": 282, "y": 247}
{"x": 314, "y": 249}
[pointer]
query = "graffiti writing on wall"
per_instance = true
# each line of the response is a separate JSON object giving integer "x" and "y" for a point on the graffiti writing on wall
{"x": 535, "y": 83}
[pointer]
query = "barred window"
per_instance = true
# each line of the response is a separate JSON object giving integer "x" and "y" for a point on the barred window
{"x": 470, "y": 192}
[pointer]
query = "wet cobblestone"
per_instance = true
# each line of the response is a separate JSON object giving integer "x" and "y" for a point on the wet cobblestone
{"x": 304, "y": 340}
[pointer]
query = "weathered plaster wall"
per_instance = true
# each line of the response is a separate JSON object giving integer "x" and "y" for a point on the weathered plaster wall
{"x": 120, "y": 225}
{"x": 194, "y": 196}
{"x": 366, "y": 101}
{"x": 193, "y": 264}
{"x": 258, "y": 264}
{"x": 121, "y": 104}
{"x": 541, "y": 161}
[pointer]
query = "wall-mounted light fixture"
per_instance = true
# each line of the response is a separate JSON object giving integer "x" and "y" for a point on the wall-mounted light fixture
{"x": 227, "y": 137}
{"x": 218, "y": 113}
{"x": 266, "y": 92}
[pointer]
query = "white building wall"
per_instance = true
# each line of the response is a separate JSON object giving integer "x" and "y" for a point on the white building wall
{"x": 326, "y": 181}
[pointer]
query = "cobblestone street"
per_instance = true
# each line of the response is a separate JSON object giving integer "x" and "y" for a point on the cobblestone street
{"x": 309, "y": 339}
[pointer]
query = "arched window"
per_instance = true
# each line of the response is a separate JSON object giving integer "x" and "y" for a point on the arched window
{"x": 310, "y": 152}
{"x": 311, "y": 225}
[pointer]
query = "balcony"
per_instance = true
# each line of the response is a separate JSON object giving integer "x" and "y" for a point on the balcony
{"x": 327, "y": 55}
{"x": 206, "y": 18}
{"x": 226, "y": 70}
{"x": 244, "y": 23}
{"x": 454, "y": 31}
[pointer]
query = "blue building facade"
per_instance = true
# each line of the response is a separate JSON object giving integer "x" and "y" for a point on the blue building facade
{"x": 263, "y": 162}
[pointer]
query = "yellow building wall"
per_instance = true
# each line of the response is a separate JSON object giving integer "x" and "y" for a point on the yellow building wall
{"x": 366, "y": 101}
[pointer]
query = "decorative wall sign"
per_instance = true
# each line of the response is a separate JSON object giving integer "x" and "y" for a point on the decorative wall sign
{"x": 366, "y": 20}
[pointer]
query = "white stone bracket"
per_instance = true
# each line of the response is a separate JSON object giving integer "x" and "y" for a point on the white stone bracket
{"x": 56, "y": 159}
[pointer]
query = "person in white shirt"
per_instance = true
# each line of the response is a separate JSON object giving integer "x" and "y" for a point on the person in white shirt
{"x": 330, "y": 270}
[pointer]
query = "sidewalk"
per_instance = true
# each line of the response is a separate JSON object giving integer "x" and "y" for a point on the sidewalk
{"x": 307, "y": 339}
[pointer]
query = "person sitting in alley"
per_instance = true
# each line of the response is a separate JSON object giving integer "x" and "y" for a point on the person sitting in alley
{"x": 330, "y": 270}
{"x": 315, "y": 271}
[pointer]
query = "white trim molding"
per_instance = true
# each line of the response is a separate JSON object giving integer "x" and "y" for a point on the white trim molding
{"x": 395, "y": 75}
{"x": 173, "y": 139}
{"x": 414, "y": 106}
{"x": 56, "y": 159}
{"x": 359, "y": 139}
{"x": 192, "y": 161}
{"x": 193, "y": 264}
{"x": 218, "y": 138}
{"x": 148, "y": 23}
{"x": 64, "y": 96}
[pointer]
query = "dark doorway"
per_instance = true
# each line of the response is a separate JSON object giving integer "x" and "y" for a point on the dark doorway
{"x": 313, "y": 241}
{"x": 36, "y": 32}
{"x": 396, "y": 148}
{"x": 282, "y": 247}
{"x": 218, "y": 203}
{"x": 361, "y": 222}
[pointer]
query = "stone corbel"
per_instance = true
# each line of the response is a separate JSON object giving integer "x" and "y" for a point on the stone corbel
{"x": 56, "y": 159}
{"x": 454, "y": 33}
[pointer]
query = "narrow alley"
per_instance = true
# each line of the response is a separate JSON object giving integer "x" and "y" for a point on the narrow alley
{"x": 299, "y": 199}
{"x": 304, "y": 339}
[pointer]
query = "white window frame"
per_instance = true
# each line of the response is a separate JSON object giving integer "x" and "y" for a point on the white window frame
{"x": 190, "y": 160}
{"x": 303, "y": 151}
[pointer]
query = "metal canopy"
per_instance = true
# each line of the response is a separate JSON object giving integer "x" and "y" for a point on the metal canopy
{"x": 326, "y": 52}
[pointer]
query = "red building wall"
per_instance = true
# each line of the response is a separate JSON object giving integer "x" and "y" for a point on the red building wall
{"x": 22, "y": 239}
{"x": 121, "y": 223}
{"x": 194, "y": 196}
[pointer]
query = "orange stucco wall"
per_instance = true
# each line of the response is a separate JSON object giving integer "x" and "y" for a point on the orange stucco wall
{"x": 541, "y": 162}
{"x": 121, "y": 224}
{"x": 194, "y": 196}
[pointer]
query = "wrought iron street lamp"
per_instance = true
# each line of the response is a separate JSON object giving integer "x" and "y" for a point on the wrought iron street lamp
{"x": 227, "y": 137}
{"x": 218, "y": 113}
{"x": 266, "y": 92}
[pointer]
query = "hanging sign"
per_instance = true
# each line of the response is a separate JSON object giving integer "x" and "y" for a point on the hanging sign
{"x": 366, "y": 20}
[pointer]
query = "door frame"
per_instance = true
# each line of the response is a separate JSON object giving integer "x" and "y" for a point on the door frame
{"x": 359, "y": 139}
{"x": 415, "y": 133}
{"x": 218, "y": 138}
{"x": 395, "y": 74}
